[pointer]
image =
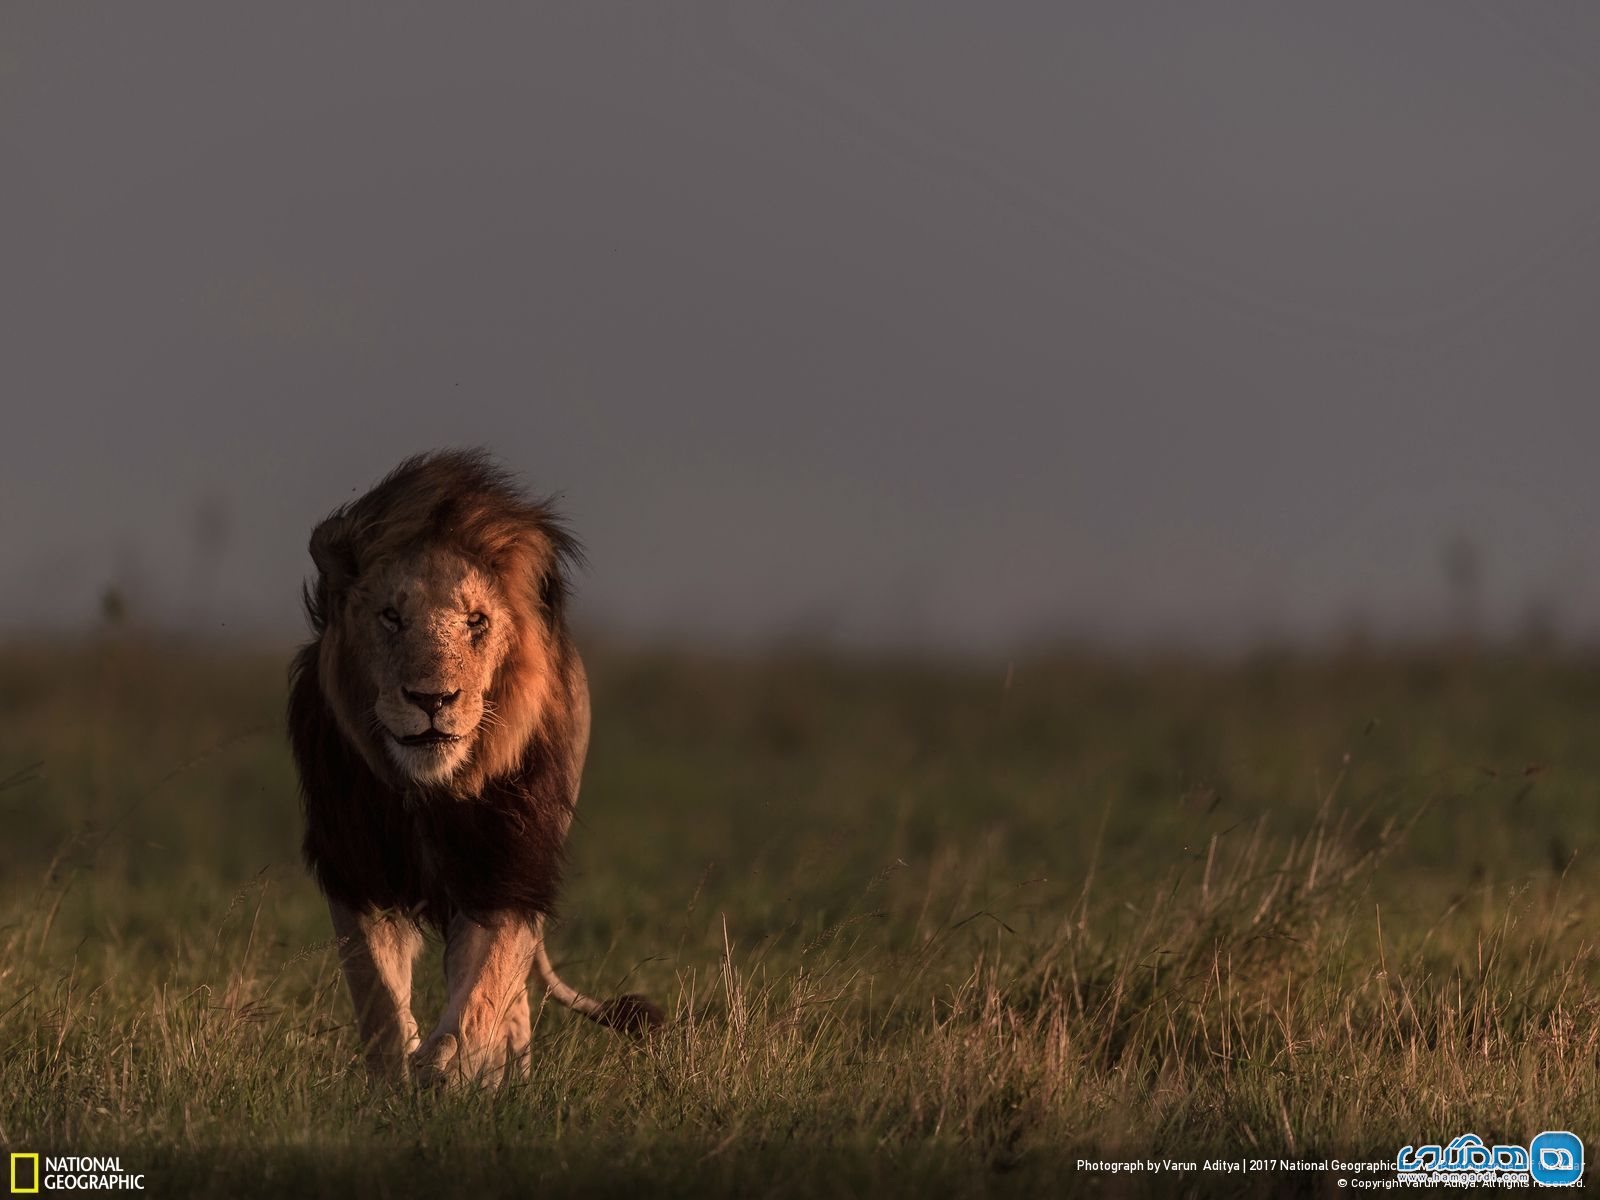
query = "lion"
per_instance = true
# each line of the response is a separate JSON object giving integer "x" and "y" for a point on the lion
{"x": 439, "y": 720}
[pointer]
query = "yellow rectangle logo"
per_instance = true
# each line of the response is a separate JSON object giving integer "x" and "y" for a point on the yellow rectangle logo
{"x": 15, "y": 1187}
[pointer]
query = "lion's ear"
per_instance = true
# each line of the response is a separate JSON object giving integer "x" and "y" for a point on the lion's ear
{"x": 333, "y": 551}
{"x": 556, "y": 555}
{"x": 552, "y": 582}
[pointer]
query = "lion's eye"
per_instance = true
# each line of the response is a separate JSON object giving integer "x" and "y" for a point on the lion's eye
{"x": 477, "y": 622}
{"x": 390, "y": 618}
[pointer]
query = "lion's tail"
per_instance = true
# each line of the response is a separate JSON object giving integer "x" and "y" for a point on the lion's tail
{"x": 627, "y": 1014}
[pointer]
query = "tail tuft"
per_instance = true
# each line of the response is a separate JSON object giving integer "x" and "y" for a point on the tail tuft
{"x": 633, "y": 1015}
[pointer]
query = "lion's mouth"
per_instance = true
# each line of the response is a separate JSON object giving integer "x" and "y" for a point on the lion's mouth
{"x": 431, "y": 737}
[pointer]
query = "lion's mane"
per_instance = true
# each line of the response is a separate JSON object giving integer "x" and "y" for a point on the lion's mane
{"x": 489, "y": 842}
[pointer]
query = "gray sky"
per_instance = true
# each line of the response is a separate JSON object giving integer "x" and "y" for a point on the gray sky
{"x": 943, "y": 323}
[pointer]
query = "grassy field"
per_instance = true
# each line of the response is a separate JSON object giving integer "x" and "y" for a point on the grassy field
{"x": 921, "y": 929}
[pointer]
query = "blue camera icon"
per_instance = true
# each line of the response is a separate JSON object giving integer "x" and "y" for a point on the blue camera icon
{"x": 1555, "y": 1158}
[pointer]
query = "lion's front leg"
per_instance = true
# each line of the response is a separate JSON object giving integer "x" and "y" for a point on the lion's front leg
{"x": 376, "y": 951}
{"x": 485, "y": 1017}
{"x": 518, "y": 1034}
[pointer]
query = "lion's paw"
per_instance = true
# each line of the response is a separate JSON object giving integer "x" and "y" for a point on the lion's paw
{"x": 452, "y": 1059}
{"x": 436, "y": 1063}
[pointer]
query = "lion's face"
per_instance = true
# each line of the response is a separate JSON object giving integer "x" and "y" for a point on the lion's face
{"x": 431, "y": 630}
{"x": 440, "y": 643}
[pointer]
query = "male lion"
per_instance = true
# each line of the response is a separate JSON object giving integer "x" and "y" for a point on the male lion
{"x": 439, "y": 721}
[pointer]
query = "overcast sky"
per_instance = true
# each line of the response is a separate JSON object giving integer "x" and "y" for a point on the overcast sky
{"x": 950, "y": 324}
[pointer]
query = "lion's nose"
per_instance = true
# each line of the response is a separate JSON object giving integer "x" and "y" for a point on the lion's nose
{"x": 432, "y": 702}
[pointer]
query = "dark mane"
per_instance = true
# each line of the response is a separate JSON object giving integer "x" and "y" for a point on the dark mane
{"x": 370, "y": 846}
{"x": 494, "y": 845}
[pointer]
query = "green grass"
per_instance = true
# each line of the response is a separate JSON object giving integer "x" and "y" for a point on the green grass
{"x": 920, "y": 930}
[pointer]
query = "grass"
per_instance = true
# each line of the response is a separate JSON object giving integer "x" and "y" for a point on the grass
{"x": 922, "y": 929}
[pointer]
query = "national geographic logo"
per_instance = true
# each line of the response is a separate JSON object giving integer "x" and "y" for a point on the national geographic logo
{"x": 27, "y": 1179}
{"x": 30, "y": 1174}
